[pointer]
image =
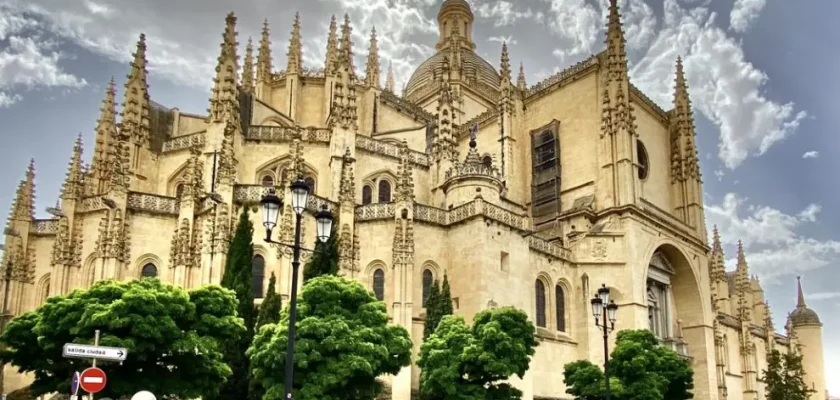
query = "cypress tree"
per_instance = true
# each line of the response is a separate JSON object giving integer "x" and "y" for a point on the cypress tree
{"x": 270, "y": 307}
{"x": 431, "y": 310}
{"x": 445, "y": 306}
{"x": 325, "y": 259}
{"x": 783, "y": 377}
{"x": 238, "y": 276}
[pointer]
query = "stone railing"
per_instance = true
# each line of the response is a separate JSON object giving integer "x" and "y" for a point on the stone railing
{"x": 44, "y": 227}
{"x": 471, "y": 170}
{"x": 665, "y": 217}
{"x": 152, "y": 203}
{"x": 480, "y": 119}
{"x": 372, "y": 212}
{"x": 433, "y": 215}
{"x": 184, "y": 142}
{"x": 92, "y": 203}
{"x": 253, "y": 194}
{"x": 270, "y": 133}
{"x": 551, "y": 249}
{"x": 390, "y": 150}
{"x": 560, "y": 76}
{"x": 407, "y": 107}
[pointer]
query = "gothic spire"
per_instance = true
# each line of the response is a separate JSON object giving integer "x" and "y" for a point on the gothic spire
{"x": 73, "y": 180}
{"x": 372, "y": 67}
{"x": 742, "y": 258}
{"x": 345, "y": 51}
{"x": 617, "y": 57}
{"x": 105, "y": 134}
{"x": 248, "y": 68}
{"x": 504, "y": 71}
{"x": 264, "y": 55}
{"x": 294, "y": 56}
{"x": 332, "y": 48}
{"x": 224, "y": 103}
{"x": 134, "y": 121}
{"x": 520, "y": 80}
{"x": 389, "y": 80}
{"x": 800, "y": 296}
{"x": 23, "y": 207}
{"x": 717, "y": 270}
{"x": 684, "y": 126}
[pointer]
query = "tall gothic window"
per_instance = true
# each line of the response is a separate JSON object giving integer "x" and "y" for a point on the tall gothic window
{"x": 545, "y": 175}
{"x": 257, "y": 275}
{"x": 644, "y": 162}
{"x": 367, "y": 194}
{"x": 268, "y": 180}
{"x": 379, "y": 284}
{"x": 384, "y": 191}
{"x": 149, "y": 271}
{"x": 561, "y": 308}
{"x": 658, "y": 295}
{"x": 540, "y": 289}
{"x": 427, "y": 285}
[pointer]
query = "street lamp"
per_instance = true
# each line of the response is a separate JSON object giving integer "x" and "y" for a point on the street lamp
{"x": 600, "y": 302}
{"x": 272, "y": 208}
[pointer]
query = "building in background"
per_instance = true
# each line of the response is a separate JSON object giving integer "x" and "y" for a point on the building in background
{"x": 523, "y": 195}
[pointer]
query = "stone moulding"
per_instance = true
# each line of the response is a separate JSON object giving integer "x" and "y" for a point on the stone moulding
{"x": 407, "y": 107}
{"x": 91, "y": 204}
{"x": 252, "y": 194}
{"x": 390, "y": 150}
{"x": 271, "y": 133}
{"x": 184, "y": 142}
{"x": 561, "y": 76}
{"x": 666, "y": 217}
{"x": 152, "y": 203}
{"x": 43, "y": 227}
{"x": 464, "y": 171}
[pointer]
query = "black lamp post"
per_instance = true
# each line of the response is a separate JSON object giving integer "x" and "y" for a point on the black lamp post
{"x": 600, "y": 302}
{"x": 272, "y": 208}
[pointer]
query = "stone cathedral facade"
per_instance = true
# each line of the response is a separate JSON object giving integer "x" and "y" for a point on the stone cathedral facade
{"x": 524, "y": 195}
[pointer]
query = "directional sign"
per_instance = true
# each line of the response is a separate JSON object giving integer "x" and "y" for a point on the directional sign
{"x": 93, "y": 380}
{"x": 72, "y": 350}
{"x": 74, "y": 384}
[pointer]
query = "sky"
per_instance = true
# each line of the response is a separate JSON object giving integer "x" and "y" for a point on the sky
{"x": 761, "y": 75}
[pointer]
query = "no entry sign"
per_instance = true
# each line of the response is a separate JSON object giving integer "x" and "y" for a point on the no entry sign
{"x": 93, "y": 380}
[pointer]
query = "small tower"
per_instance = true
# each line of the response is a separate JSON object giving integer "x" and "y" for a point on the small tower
{"x": 472, "y": 179}
{"x": 807, "y": 328}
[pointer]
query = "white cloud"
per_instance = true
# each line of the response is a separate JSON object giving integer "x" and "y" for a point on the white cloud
{"x": 823, "y": 296}
{"x": 7, "y": 99}
{"x": 745, "y": 13}
{"x": 725, "y": 87}
{"x": 811, "y": 154}
{"x": 578, "y": 25}
{"x": 772, "y": 239}
{"x": 502, "y": 39}
{"x": 502, "y": 13}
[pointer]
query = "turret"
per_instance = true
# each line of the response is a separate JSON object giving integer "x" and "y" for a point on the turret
{"x": 463, "y": 180}
{"x": 807, "y": 328}
{"x": 455, "y": 17}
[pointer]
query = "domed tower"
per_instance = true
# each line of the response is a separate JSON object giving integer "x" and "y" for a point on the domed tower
{"x": 807, "y": 328}
{"x": 455, "y": 17}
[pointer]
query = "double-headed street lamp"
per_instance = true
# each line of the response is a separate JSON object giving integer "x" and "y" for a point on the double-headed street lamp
{"x": 600, "y": 302}
{"x": 272, "y": 208}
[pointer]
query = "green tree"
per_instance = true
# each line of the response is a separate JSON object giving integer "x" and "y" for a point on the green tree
{"x": 343, "y": 343}
{"x": 432, "y": 317}
{"x": 640, "y": 369}
{"x": 459, "y": 362}
{"x": 783, "y": 377}
{"x": 271, "y": 305}
{"x": 174, "y": 338}
{"x": 324, "y": 260}
{"x": 238, "y": 276}
{"x": 445, "y": 306}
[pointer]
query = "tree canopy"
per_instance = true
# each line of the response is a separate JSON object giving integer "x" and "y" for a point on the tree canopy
{"x": 459, "y": 362}
{"x": 783, "y": 377}
{"x": 343, "y": 343}
{"x": 640, "y": 369}
{"x": 271, "y": 305}
{"x": 324, "y": 260}
{"x": 438, "y": 305}
{"x": 173, "y": 338}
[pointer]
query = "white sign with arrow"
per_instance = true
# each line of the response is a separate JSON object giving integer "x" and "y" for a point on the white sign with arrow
{"x": 72, "y": 350}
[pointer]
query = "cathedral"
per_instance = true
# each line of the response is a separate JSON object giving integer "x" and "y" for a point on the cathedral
{"x": 531, "y": 196}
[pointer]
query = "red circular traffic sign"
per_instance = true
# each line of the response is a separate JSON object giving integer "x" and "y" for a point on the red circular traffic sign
{"x": 93, "y": 380}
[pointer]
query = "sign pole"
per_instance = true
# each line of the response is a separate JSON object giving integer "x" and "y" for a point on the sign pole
{"x": 95, "y": 343}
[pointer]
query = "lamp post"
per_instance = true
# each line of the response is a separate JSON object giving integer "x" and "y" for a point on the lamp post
{"x": 272, "y": 207}
{"x": 600, "y": 302}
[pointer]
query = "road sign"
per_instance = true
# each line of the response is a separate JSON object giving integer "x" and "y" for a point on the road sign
{"x": 72, "y": 350}
{"x": 93, "y": 380}
{"x": 74, "y": 384}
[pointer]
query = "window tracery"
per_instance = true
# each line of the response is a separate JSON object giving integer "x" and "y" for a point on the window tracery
{"x": 384, "y": 191}
{"x": 428, "y": 280}
{"x": 379, "y": 284}
{"x": 257, "y": 275}
{"x": 277, "y": 175}
{"x": 644, "y": 161}
{"x": 367, "y": 194}
{"x": 540, "y": 299}
{"x": 560, "y": 308}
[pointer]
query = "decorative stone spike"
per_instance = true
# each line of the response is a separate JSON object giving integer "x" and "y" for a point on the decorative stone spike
{"x": 248, "y": 68}
{"x": 264, "y": 68}
{"x": 504, "y": 71}
{"x": 106, "y": 128}
{"x": 345, "y": 51}
{"x": 134, "y": 121}
{"x": 295, "y": 55}
{"x": 372, "y": 67}
{"x": 330, "y": 64}
{"x": 73, "y": 179}
{"x": 520, "y": 80}
{"x": 389, "y": 80}
{"x": 224, "y": 103}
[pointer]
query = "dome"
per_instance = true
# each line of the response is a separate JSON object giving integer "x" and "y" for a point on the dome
{"x": 432, "y": 68}
{"x": 804, "y": 316}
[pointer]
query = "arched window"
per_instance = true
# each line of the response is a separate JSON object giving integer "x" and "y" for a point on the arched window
{"x": 561, "y": 308}
{"x": 487, "y": 161}
{"x": 427, "y": 285}
{"x": 379, "y": 284}
{"x": 179, "y": 190}
{"x": 540, "y": 289}
{"x": 149, "y": 271}
{"x": 257, "y": 275}
{"x": 644, "y": 163}
{"x": 268, "y": 180}
{"x": 367, "y": 194}
{"x": 384, "y": 191}
{"x": 310, "y": 181}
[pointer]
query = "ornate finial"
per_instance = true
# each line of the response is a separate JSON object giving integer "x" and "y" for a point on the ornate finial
{"x": 345, "y": 51}
{"x": 685, "y": 143}
{"x": 23, "y": 207}
{"x": 264, "y": 55}
{"x": 72, "y": 187}
{"x": 135, "y": 109}
{"x": 295, "y": 54}
{"x": 248, "y": 68}
{"x": 224, "y": 103}
{"x": 520, "y": 80}
{"x": 505, "y": 65}
{"x": 617, "y": 56}
{"x": 372, "y": 68}
{"x": 473, "y": 134}
{"x": 332, "y": 48}
{"x": 742, "y": 258}
{"x": 716, "y": 245}
{"x": 105, "y": 135}
{"x": 800, "y": 296}
{"x": 389, "y": 80}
